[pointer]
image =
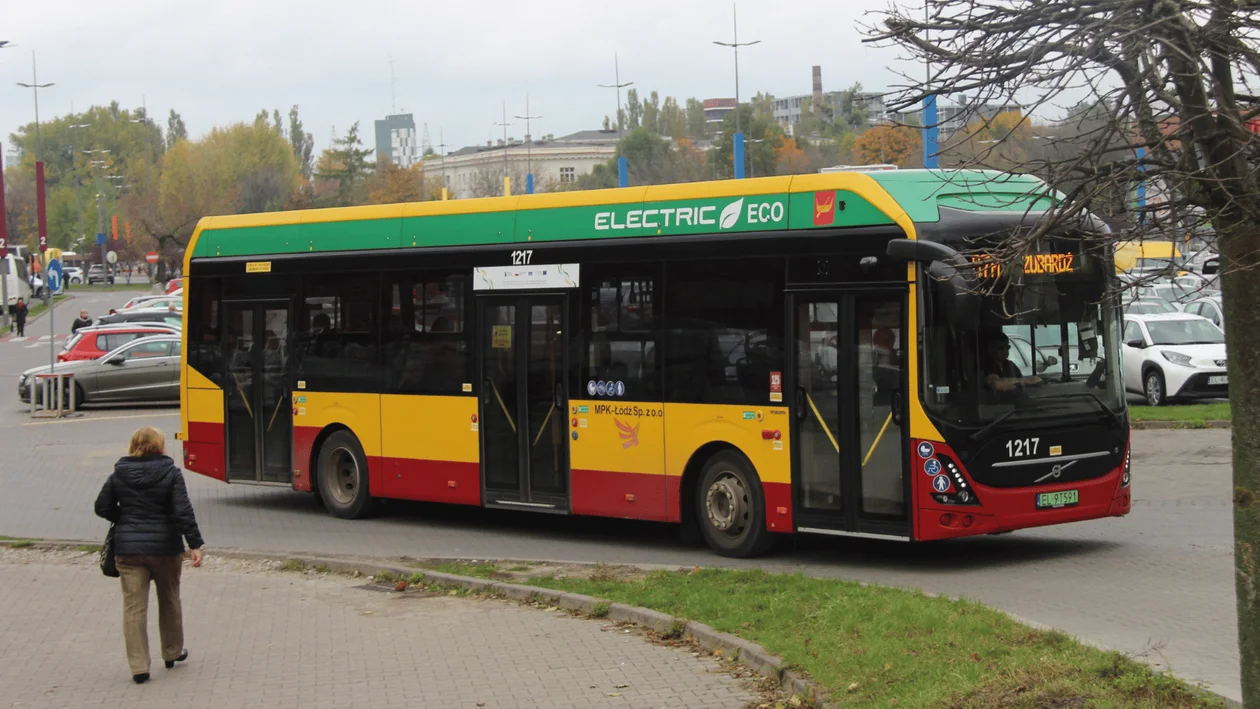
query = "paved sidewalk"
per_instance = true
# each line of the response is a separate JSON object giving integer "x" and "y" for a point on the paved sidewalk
{"x": 267, "y": 638}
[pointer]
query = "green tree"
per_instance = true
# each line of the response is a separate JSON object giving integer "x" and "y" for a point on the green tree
{"x": 696, "y": 126}
{"x": 652, "y": 113}
{"x": 852, "y": 109}
{"x": 175, "y": 129}
{"x": 303, "y": 143}
{"x": 634, "y": 110}
{"x": 761, "y": 140}
{"x": 673, "y": 119}
{"x": 346, "y": 164}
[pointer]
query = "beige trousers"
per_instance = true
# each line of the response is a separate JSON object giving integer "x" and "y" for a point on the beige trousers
{"x": 135, "y": 572}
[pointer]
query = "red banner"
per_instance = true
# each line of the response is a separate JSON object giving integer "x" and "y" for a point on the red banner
{"x": 41, "y": 214}
{"x": 4, "y": 233}
{"x": 114, "y": 221}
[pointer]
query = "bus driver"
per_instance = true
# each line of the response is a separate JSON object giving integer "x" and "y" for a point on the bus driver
{"x": 1000, "y": 373}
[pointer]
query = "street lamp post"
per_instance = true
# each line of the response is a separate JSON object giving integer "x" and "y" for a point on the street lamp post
{"x": 78, "y": 201}
{"x": 529, "y": 138}
{"x": 506, "y": 183}
{"x": 623, "y": 176}
{"x": 751, "y": 160}
{"x": 100, "y": 219}
{"x": 739, "y": 135}
{"x": 35, "y": 86}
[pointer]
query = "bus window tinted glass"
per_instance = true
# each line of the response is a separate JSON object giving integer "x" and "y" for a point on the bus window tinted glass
{"x": 205, "y": 337}
{"x": 621, "y": 335}
{"x": 337, "y": 342}
{"x": 724, "y": 330}
{"x": 426, "y": 348}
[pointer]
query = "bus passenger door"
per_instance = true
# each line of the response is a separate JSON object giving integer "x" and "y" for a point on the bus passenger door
{"x": 523, "y": 403}
{"x": 259, "y": 415}
{"x": 848, "y": 454}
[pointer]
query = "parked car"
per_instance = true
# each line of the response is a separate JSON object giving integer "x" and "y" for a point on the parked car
{"x": 141, "y": 370}
{"x": 1209, "y": 308}
{"x": 1172, "y": 356}
{"x": 161, "y": 301}
{"x": 143, "y": 315}
{"x": 93, "y": 342}
{"x": 98, "y": 274}
{"x": 1149, "y": 306}
{"x": 136, "y": 301}
{"x": 173, "y": 285}
{"x": 72, "y": 274}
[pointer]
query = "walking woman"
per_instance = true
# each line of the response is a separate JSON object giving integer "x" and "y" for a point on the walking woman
{"x": 147, "y": 501}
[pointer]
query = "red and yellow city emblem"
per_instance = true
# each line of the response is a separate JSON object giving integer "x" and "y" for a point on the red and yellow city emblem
{"x": 629, "y": 434}
{"x": 824, "y": 208}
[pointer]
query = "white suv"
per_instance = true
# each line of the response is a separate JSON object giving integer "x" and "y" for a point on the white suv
{"x": 1174, "y": 355}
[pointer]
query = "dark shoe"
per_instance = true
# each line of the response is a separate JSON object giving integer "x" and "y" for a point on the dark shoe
{"x": 140, "y": 678}
{"x": 182, "y": 656}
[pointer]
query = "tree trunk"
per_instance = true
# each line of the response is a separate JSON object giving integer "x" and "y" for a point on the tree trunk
{"x": 1239, "y": 241}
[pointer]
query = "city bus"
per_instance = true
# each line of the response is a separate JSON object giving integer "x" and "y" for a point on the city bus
{"x": 826, "y": 354}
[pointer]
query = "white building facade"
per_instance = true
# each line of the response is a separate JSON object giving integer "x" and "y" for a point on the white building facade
{"x": 478, "y": 171}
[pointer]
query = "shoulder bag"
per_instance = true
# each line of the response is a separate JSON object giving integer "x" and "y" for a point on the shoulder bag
{"x": 108, "y": 566}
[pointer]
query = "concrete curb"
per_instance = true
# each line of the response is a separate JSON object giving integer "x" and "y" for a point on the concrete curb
{"x": 1180, "y": 425}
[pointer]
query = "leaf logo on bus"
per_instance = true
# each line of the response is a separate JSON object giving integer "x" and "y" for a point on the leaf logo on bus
{"x": 629, "y": 434}
{"x": 730, "y": 214}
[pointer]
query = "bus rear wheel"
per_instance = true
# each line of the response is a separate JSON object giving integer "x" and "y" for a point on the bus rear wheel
{"x": 731, "y": 507}
{"x": 343, "y": 476}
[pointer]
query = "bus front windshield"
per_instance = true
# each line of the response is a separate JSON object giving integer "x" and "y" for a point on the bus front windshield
{"x": 1045, "y": 345}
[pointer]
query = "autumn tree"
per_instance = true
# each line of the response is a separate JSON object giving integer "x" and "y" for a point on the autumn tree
{"x": 891, "y": 145}
{"x": 790, "y": 159}
{"x": 390, "y": 184}
{"x": 1178, "y": 84}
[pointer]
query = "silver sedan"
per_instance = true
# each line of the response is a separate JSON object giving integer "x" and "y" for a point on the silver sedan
{"x": 146, "y": 369}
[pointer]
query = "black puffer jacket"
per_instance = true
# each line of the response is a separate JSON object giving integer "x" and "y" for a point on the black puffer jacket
{"x": 147, "y": 500}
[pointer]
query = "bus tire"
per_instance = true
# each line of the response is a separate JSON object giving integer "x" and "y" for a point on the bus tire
{"x": 731, "y": 507}
{"x": 342, "y": 476}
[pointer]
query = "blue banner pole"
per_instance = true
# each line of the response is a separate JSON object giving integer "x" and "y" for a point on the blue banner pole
{"x": 930, "y": 134}
{"x": 529, "y": 183}
{"x": 739, "y": 156}
{"x": 623, "y": 172}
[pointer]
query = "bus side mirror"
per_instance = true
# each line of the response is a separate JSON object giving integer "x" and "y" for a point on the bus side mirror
{"x": 917, "y": 250}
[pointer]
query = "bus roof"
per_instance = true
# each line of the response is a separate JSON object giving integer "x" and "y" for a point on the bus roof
{"x": 844, "y": 199}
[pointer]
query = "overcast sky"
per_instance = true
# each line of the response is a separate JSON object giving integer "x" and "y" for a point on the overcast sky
{"x": 455, "y": 62}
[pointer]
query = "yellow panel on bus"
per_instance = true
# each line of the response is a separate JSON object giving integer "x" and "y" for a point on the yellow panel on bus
{"x": 617, "y": 436}
{"x": 361, "y": 413}
{"x": 429, "y": 427}
{"x": 761, "y": 432}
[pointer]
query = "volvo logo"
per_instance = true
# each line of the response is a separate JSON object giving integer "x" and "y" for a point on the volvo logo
{"x": 1056, "y": 471}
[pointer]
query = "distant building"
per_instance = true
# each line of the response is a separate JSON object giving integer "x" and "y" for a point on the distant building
{"x": 477, "y": 170}
{"x": 13, "y": 157}
{"x": 787, "y": 110}
{"x": 396, "y": 140}
{"x": 717, "y": 109}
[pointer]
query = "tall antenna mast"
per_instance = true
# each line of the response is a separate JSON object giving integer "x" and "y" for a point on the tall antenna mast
{"x": 393, "y": 87}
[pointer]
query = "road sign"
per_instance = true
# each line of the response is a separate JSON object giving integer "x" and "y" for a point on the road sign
{"x": 151, "y": 257}
{"x": 111, "y": 256}
{"x": 54, "y": 275}
{"x": 100, "y": 238}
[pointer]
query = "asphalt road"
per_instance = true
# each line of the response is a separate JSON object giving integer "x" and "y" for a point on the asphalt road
{"x": 1156, "y": 584}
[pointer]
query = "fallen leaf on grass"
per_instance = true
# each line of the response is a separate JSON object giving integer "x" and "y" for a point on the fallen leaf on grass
{"x": 400, "y": 586}
{"x": 853, "y": 687}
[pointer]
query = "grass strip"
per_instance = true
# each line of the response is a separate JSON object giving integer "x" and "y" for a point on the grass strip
{"x": 871, "y": 646}
{"x": 1188, "y": 413}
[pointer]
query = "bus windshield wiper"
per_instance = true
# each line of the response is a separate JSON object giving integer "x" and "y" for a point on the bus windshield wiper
{"x": 1115, "y": 415}
{"x": 992, "y": 424}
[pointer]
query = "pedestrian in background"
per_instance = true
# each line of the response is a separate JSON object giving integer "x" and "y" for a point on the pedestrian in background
{"x": 146, "y": 499}
{"x": 19, "y": 317}
{"x": 82, "y": 321}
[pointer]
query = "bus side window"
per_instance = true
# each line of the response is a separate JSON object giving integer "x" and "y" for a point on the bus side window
{"x": 619, "y": 324}
{"x": 425, "y": 342}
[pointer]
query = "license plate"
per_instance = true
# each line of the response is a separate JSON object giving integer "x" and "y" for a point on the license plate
{"x": 1050, "y": 500}
{"x": 1223, "y": 379}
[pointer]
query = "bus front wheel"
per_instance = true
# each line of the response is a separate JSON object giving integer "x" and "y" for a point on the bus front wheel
{"x": 731, "y": 507}
{"x": 343, "y": 476}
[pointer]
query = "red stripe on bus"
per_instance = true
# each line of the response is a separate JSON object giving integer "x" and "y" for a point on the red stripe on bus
{"x": 431, "y": 480}
{"x": 303, "y": 440}
{"x": 778, "y": 506}
{"x": 623, "y": 495}
{"x": 203, "y": 451}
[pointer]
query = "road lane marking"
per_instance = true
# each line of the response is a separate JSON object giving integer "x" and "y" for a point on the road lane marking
{"x": 100, "y": 418}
